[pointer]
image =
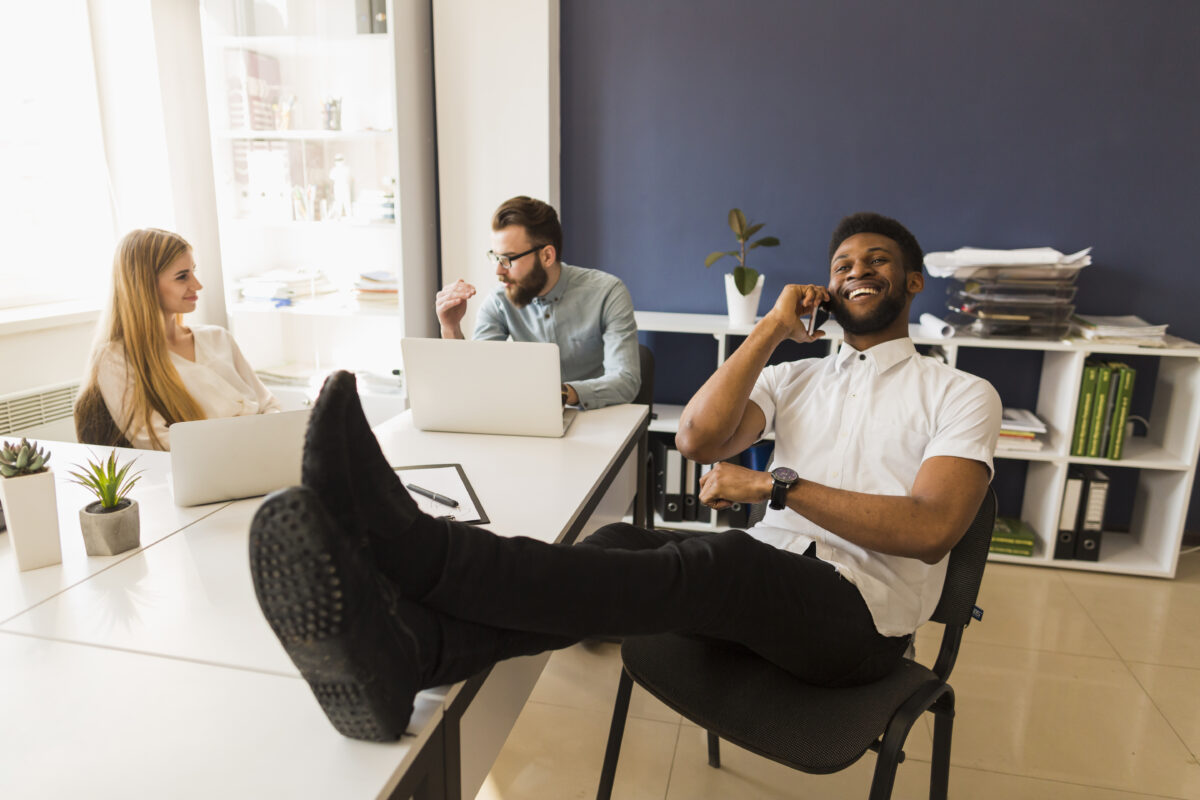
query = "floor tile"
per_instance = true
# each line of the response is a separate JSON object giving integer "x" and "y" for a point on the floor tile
{"x": 744, "y": 775}
{"x": 1065, "y": 718}
{"x": 556, "y": 752}
{"x": 585, "y": 676}
{"x": 1148, "y": 620}
{"x": 1033, "y": 608}
{"x": 1174, "y": 690}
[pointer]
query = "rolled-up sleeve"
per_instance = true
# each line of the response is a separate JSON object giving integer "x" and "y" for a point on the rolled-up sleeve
{"x": 622, "y": 376}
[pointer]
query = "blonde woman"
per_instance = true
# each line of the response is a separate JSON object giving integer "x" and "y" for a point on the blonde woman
{"x": 148, "y": 369}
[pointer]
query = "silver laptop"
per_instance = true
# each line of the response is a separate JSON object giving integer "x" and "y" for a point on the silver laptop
{"x": 464, "y": 386}
{"x": 225, "y": 459}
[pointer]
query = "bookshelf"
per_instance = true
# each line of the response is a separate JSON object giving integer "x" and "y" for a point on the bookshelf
{"x": 1162, "y": 463}
{"x": 319, "y": 129}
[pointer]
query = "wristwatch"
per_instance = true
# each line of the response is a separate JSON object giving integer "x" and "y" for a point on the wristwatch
{"x": 785, "y": 478}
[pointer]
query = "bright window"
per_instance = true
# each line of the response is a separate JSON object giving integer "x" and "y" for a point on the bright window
{"x": 56, "y": 222}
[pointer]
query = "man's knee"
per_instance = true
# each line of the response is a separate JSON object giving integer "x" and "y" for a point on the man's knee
{"x": 620, "y": 535}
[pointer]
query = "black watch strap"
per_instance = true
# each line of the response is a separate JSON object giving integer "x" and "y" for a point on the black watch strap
{"x": 784, "y": 479}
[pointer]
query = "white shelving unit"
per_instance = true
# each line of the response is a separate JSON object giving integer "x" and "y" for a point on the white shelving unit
{"x": 1165, "y": 458}
{"x": 303, "y": 102}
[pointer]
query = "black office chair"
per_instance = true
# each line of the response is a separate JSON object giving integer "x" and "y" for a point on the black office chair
{"x": 736, "y": 695}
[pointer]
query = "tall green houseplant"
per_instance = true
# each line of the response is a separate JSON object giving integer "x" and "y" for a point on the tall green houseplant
{"x": 745, "y": 278}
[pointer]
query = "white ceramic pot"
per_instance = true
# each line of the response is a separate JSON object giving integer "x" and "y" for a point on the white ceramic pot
{"x": 31, "y": 512}
{"x": 743, "y": 309}
{"x": 106, "y": 533}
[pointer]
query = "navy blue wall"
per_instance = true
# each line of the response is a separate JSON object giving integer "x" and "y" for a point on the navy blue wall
{"x": 996, "y": 123}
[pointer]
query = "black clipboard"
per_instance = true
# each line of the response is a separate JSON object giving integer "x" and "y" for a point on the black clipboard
{"x": 466, "y": 485}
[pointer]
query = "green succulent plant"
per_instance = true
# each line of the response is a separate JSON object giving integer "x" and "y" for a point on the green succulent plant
{"x": 110, "y": 484}
{"x": 25, "y": 458}
{"x": 745, "y": 278}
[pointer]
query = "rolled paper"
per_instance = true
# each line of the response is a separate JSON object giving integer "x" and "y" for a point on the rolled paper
{"x": 936, "y": 327}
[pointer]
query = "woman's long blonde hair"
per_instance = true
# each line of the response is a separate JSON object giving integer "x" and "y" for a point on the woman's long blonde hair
{"x": 134, "y": 320}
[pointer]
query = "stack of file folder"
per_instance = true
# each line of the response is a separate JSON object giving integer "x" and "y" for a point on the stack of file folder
{"x": 1010, "y": 293}
{"x": 1120, "y": 330}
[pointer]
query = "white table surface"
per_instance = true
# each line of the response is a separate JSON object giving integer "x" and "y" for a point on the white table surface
{"x": 154, "y": 673}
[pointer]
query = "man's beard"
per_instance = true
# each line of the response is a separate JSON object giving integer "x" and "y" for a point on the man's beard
{"x": 522, "y": 292}
{"x": 883, "y": 315}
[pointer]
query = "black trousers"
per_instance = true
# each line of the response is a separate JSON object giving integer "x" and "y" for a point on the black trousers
{"x": 482, "y": 598}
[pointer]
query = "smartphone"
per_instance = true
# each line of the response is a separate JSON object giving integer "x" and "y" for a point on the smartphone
{"x": 818, "y": 318}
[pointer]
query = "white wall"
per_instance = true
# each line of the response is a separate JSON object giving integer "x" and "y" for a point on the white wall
{"x": 497, "y": 93}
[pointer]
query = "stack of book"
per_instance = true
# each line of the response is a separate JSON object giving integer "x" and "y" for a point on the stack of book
{"x": 1012, "y": 537}
{"x": 377, "y": 286}
{"x": 282, "y": 286}
{"x": 1105, "y": 393}
{"x": 1021, "y": 429}
{"x": 1081, "y": 521}
{"x": 1120, "y": 330}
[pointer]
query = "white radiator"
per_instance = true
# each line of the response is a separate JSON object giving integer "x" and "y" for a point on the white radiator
{"x": 42, "y": 412}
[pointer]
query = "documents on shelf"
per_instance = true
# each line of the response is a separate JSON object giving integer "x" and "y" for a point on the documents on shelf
{"x": 1021, "y": 429}
{"x": 966, "y": 262}
{"x": 1128, "y": 329}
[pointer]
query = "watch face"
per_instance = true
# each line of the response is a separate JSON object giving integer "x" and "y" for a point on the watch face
{"x": 785, "y": 474}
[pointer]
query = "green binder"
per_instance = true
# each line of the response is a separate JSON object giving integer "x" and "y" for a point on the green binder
{"x": 1116, "y": 439}
{"x": 1083, "y": 410}
{"x": 1099, "y": 410}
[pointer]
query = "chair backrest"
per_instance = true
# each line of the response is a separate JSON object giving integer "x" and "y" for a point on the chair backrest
{"x": 645, "y": 395}
{"x": 97, "y": 427}
{"x": 964, "y": 572}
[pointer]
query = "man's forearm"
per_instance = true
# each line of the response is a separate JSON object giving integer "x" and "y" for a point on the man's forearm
{"x": 711, "y": 418}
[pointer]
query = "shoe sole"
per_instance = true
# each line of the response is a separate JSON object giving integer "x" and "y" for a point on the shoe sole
{"x": 360, "y": 662}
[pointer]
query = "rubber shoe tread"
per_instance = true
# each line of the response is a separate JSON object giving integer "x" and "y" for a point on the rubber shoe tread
{"x": 361, "y": 662}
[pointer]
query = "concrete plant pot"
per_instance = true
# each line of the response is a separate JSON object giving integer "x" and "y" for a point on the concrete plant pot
{"x": 743, "y": 309}
{"x": 31, "y": 512}
{"x": 112, "y": 531}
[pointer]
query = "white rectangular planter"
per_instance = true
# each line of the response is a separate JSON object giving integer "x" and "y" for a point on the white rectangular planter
{"x": 31, "y": 511}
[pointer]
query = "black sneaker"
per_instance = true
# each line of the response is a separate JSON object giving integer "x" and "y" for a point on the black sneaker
{"x": 326, "y": 607}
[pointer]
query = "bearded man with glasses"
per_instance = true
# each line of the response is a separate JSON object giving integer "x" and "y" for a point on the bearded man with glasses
{"x": 586, "y": 312}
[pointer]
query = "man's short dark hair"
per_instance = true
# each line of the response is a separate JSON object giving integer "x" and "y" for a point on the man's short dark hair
{"x": 539, "y": 220}
{"x": 870, "y": 222}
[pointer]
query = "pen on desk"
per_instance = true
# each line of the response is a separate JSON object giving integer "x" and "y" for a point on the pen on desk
{"x": 440, "y": 498}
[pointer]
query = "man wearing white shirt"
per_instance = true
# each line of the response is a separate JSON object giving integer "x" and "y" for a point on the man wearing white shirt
{"x": 883, "y": 458}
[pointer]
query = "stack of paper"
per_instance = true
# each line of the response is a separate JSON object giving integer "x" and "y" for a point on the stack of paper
{"x": 377, "y": 286}
{"x": 1021, "y": 429}
{"x": 1031, "y": 263}
{"x": 284, "y": 285}
{"x": 1120, "y": 330}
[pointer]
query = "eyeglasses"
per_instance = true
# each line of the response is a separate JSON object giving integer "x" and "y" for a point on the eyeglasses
{"x": 505, "y": 262}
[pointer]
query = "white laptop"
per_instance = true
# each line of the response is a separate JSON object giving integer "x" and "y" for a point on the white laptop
{"x": 464, "y": 386}
{"x": 225, "y": 459}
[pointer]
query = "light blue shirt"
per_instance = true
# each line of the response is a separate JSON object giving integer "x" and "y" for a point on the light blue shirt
{"x": 589, "y": 315}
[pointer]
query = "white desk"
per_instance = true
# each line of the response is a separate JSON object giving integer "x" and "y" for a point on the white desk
{"x": 153, "y": 673}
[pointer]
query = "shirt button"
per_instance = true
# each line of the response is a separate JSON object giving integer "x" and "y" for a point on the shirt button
{"x": 547, "y": 315}
{"x": 861, "y": 357}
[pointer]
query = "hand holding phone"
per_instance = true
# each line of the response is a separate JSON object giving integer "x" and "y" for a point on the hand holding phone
{"x": 819, "y": 316}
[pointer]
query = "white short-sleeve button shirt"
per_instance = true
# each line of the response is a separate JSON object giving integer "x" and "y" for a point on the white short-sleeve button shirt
{"x": 865, "y": 422}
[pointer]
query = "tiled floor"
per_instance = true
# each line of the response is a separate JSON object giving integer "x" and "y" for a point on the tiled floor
{"x": 1075, "y": 685}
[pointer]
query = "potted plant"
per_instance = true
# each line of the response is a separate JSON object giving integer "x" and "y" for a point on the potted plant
{"x": 110, "y": 523}
{"x": 743, "y": 286}
{"x": 30, "y": 506}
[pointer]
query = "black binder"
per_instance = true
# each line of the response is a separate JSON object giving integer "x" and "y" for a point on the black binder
{"x": 1068, "y": 518}
{"x": 1091, "y": 521}
{"x": 667, "y": 468}
{"x": 688, "y": 490}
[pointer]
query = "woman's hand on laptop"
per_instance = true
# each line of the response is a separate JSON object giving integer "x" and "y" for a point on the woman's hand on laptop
{"x": 451, "y": 305}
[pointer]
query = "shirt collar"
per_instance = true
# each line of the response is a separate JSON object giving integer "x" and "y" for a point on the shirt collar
{"x": 560, "y": 288}
{"x": 884, "y": 356}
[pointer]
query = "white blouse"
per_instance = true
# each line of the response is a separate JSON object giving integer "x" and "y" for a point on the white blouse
{"x": 220, "y": 380}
